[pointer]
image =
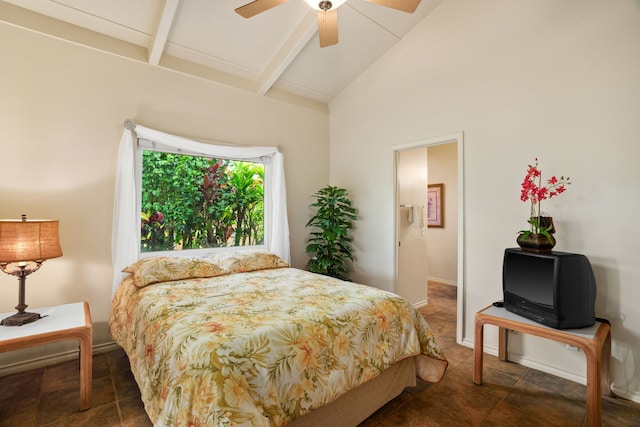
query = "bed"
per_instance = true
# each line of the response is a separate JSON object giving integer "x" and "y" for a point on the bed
{"x": 243, "y": 339}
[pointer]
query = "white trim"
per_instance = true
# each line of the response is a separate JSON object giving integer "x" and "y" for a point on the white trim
{"x": 442, "y": 281}
{"x": 421, "y": 304}
{"x": 631, "y": 395}
{"x": 53, "y": 359}
{"x": 436, "y": 140}
{"x": 460, "y": 320}
{"x": 530, "y": 363}
{"x": 105, "y": 347}
{"x": 457, "y": 137}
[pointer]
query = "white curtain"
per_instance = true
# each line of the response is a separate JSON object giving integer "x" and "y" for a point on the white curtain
{"x": 125, "y": 240}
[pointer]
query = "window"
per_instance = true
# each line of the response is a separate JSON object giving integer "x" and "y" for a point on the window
{"x": 272, "y": 233}
{"x": 194, "y": 202}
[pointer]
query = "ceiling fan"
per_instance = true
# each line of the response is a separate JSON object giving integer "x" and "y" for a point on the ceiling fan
{"x": 327, "y": 13}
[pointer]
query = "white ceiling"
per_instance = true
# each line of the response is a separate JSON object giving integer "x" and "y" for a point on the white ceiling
{"x": 277, "y": 50}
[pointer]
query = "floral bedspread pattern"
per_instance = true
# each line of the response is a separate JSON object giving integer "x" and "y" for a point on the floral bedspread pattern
{"x": 259, "y": 348}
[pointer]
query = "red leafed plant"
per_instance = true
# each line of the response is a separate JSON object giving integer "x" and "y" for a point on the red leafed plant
{"x": 535, "y": 192}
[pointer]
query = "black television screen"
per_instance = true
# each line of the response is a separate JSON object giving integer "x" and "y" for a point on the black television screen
{"x": 532, "y": 282}
{"x": 557, "y": 289}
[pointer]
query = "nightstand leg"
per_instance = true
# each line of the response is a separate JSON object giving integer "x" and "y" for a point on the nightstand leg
{"x": 86, "y": 361}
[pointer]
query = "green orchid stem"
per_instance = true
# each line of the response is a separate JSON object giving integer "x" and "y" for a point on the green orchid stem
{"x": 535, "y": 216}
{"x": 539, "y": 203}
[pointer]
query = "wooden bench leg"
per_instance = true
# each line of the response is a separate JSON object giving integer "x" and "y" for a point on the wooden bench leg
{"x": 605, "y": 372}
{"x": 593, "y": 386}
{"x": 478, "y": 348}
{"x": 503, "y": 342}
{"x": 598, "y": 355}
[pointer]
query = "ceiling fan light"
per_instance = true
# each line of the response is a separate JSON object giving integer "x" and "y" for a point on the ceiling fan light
{"x": 315, "y": 4}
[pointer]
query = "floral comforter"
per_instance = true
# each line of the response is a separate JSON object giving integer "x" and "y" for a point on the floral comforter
{"x": 247, "y": 341}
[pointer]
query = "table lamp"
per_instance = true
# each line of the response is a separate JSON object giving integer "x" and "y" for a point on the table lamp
{"x": 26, "y": 243}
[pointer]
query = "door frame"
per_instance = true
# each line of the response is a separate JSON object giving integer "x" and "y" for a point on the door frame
{"x": 458, "y": 138}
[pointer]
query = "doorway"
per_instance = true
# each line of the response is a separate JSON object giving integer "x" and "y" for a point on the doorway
{"x": 426, "y": 253}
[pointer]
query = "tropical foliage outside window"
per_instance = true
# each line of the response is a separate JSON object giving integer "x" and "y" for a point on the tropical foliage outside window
{"x": 191, "y": 202}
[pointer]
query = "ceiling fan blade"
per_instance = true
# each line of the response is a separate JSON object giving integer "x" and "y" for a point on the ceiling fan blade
{"x": 408, "y": 6}
{"x": 328, "y": 27}
{"x": 257, "y": 6}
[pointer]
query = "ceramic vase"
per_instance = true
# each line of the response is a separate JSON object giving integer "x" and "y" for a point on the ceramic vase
{"x": 539, "y": 242}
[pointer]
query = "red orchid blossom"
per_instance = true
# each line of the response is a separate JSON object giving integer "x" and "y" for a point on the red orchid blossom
{"x": 533, "y": 191}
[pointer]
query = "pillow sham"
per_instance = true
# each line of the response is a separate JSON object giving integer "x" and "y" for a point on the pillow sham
{"x": 152, "y": 270}
{"x": 244, "y": 261}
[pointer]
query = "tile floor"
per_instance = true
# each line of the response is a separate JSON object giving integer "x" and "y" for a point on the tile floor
{"x": 511, "y": 395}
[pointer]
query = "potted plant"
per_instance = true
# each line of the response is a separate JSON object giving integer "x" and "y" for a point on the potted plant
{"x": 539, "y": 235}
{"x": 329, "y": 244}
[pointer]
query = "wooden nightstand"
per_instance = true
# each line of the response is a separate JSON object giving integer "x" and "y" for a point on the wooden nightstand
{"x": 60, "y": 322}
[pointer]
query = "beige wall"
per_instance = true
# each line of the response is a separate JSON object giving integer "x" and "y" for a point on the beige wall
{"x": 551, "y": 79}
{"x": 443, "y": 242}
{"x": 61, "y": 114}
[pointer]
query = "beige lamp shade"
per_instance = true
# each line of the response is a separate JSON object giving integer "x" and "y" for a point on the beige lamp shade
{"x": 29, "y": 240}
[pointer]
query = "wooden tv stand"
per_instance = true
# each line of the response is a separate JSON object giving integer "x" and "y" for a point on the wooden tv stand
{"x": 594, "y": 341}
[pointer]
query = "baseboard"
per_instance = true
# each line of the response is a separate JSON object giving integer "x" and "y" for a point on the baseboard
{"x": 442, "y": 281}
{"x": 468, "y": 343}
{"x": 41, "y": 362}
{"x": 105, "y": 348}
{"x": 529, "y": 363}
{"x": 625, "y": 394}
{"x": 421, "y": 304}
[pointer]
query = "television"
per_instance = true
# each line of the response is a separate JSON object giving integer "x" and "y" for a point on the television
{"x": 557, "y": 289}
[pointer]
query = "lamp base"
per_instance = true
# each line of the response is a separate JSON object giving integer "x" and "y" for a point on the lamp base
{"x": 20, "y": 318}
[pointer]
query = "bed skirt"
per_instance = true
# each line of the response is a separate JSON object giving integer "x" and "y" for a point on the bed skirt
{"x": 352, "y": 408}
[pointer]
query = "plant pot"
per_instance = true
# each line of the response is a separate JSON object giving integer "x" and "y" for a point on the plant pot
{"x": 545, "y": 222}
{"x": 535, "y": 242}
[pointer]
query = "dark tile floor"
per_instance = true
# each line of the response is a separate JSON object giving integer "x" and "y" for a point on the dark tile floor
{"x": 511, "y": 395}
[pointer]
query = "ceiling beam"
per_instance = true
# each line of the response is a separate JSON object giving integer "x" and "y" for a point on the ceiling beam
{"x": 165, "y": 22}
{"x": 288, "y": 52}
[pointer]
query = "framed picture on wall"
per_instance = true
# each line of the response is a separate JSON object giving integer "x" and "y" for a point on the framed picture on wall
{"x": 435, "y": 205}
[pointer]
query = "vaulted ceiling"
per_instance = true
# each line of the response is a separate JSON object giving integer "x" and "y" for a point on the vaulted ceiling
{"x": 276, "y": 51}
